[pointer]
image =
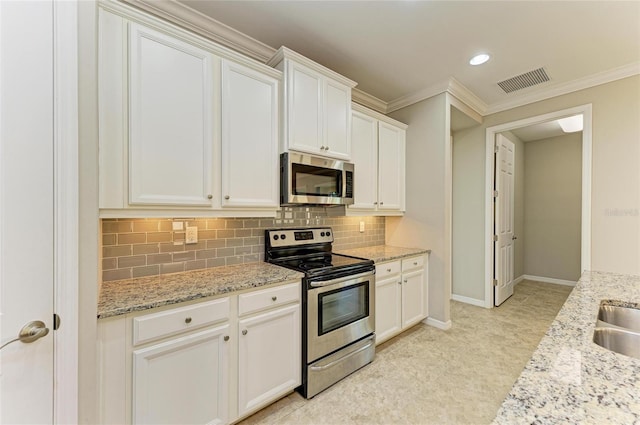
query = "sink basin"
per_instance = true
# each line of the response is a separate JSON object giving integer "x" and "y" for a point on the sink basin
{"x": 624, "y": 317}
{"x": 619, "y": 340}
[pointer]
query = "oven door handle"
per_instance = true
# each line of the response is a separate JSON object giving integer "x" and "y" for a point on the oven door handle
{"x": 341, "y": 359}
{"x": 320, "y": 283}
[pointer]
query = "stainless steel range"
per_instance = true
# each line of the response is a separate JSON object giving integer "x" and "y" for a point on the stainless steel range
{"x": 337, "y": 301}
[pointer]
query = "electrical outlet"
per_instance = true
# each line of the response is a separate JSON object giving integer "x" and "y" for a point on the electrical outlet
{"x": 177, "y": 225}
{"x": 191, "y": 236}
{"x": 362, "y": 227}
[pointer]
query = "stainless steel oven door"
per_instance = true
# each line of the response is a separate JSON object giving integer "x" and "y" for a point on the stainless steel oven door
{"x": 340, "y": 311}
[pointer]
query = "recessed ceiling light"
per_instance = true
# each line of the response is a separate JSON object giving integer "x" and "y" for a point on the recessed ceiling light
{"x": 479, "y": 59}
{"x": 571, "y": 124}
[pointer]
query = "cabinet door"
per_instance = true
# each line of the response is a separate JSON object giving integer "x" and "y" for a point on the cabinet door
{"x": 304, "y": 109}
{"x": 112, "y": 82}
{"x": 413, "y": 297}
{"x": 269, "y": 357}
{"x": 183, "y": 381}
{"x": 364, "y": 154}
{"x": 170, "y": 120}
{"x": 391, "y": 148}
{"x": 388, "y": 309}
{"x": 249, "y": 138}
{"x": 337, "y": 110}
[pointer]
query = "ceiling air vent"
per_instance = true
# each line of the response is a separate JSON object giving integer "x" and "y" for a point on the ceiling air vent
{"x": 528, "y": 79}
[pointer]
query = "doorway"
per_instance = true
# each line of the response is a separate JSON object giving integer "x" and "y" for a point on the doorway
{"x": 491, "y": 259}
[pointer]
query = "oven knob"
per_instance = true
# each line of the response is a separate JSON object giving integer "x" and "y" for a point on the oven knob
{"x": 283, "y": 236}
{"x": 275, "y": 237}
{"x": 321, "y": 233}
{"x": 328, "y": 233}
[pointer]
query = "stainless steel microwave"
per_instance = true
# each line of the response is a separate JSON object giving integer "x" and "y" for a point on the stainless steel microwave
{"x": 308, "y": 179}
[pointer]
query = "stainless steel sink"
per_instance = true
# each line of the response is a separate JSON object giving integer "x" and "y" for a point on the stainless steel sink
{"x": 618, "y": 340}
{"x": 625, "y": 317}
{"x": 618, "y": 329}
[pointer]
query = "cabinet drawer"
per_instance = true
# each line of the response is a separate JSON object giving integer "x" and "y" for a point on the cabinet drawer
{"x": 412, "y": 263}
{"x": 267, "y": 298}
{"x": 170, "y": 322}
{"x": 387, "y": 269}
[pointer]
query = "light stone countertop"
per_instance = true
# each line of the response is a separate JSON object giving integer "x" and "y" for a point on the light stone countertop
{"x": 569, "y": 378}
{"x": 125, "y": 296}
{"x": 380, "y": 253}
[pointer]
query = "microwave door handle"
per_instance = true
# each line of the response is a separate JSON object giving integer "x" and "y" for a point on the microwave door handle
{"x": 320, "y": 283}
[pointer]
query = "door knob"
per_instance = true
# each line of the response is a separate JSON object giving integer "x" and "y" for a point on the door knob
{"x": 30, "y": 332}
{"x": 514, "y": 237}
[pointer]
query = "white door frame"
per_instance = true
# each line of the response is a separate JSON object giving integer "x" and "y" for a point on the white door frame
{"x": 65, "y": 210}
{"x": 585, "y": 262}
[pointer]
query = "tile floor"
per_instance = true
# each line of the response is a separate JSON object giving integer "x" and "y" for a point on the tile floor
{"x": 429, "y": 376}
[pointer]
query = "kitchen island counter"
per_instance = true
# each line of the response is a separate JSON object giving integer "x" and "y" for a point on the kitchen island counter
{"x": 569, "y": 378}
{"x": 380, "y": 253}
{"x": 125, "y": 296}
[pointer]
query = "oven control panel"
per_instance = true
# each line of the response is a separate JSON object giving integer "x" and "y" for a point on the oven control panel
{"x": 297, "y": 237}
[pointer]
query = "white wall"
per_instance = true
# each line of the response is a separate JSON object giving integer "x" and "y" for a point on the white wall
{"x": 615, "y": 189}
{"x": 553, "y": 199}
{"x": 426, "y": 222}
{"x": 88, "y": 212}
{"x": 467, "y": 229}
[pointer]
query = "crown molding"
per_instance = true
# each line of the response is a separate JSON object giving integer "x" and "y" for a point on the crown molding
{"x": 370, "y": 101}
{"x": 568, "y": 87}
{"x": 466, "y": 96}
{"x": 192, "y": 20}
{"x": 418, "y": 96}
{"x": 286, "y": 53}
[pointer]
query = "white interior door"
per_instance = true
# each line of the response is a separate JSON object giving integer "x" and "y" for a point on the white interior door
{"x": 504, "y": 203}
{"x": 26, "y": 209}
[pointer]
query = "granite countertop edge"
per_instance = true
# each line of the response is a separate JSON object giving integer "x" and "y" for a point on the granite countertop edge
{"x": 132, "y": 295}
{"x": 381, "y": 253}
{"x": 570, "y": 378}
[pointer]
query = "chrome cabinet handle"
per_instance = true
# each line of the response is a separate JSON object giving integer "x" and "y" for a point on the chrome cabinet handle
{"x": 30, "y": 332}
{"x": 399, "y": 282}
{"x": 381, "y": 203}
{"x": 244, "y": 332}
{"x": 226, "y": 338}
{"x": 187, "y": 320}
{"x": 226, "y": 197}
{"x": 415, "y": 263}
{"x": 405, "y": 281}
{"x": 274, "y": 298}
{"x": 388, "y": 270}
{"x": 209, "y": 196}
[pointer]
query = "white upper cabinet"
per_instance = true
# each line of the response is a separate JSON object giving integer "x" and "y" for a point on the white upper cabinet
{"x": 177, "y": 132}
{"x": 364, "y": 154}
{"x": 391, "y": 167}
{"x": 317, "y": 107}
{"x": 378, "y": 151}
{"x": 171, "y": 120}
{"x": 304, "y": 101}
{"x": 249, "y": 137}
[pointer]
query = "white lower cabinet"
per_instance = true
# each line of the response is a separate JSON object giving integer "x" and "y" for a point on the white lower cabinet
{"x": 269, "y": 357}
{"x": 183, "y": 381}
{"x": 401, "y": 295}
{"x": 210, "y": 362}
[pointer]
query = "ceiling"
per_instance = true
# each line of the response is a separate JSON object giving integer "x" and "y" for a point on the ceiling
{"x": 394, "y": 49}
{"x": 539, "y": 131}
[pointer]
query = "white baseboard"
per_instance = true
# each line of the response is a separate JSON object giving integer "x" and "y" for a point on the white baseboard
{"x": 549, "y": 280}
{"x": 437, "y": 323}
{"x": 468, "y": 300}
{"x": 518, "y": 280}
